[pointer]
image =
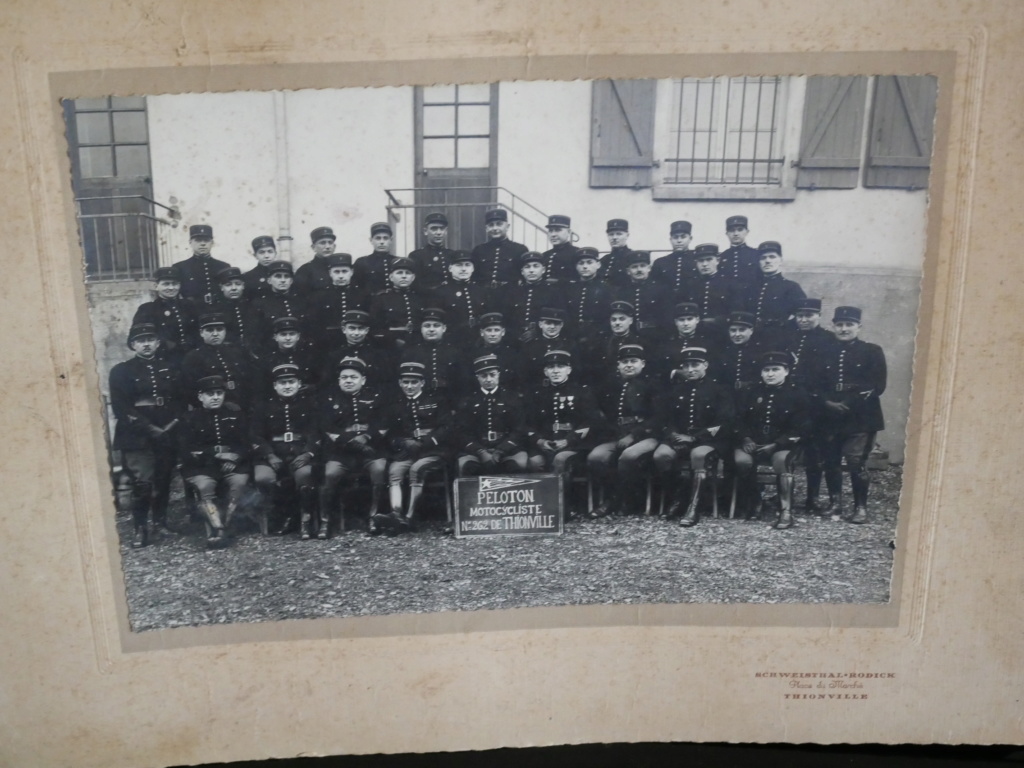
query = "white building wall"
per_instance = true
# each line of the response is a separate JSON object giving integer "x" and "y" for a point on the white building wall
{"x": 216, "y": 157}
{"x": 544, "y": 156}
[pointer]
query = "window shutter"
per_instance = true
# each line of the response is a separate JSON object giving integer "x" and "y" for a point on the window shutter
{"x": 830, "y": 140}
{"x": 902, "y": 129}
{"x": 622, "y": 133}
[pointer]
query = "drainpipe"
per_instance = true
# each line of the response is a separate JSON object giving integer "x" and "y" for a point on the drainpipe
{"x": 284, "y": 237}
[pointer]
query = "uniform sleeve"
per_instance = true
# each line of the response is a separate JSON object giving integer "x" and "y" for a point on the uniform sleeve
{"x": 122, "y": 398}
{"x": 879, "y": 372}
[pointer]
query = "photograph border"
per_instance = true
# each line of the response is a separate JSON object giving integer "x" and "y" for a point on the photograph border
{"x": 186, "y": 701}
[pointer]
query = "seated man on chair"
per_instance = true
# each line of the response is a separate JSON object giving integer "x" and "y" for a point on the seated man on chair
{"x": 285, "y": 440}
{"x": 418, "y": 427}
{"x": 492, "y": 437}
{"x": 696, "y": 418}
{"x": 773, "y": 419}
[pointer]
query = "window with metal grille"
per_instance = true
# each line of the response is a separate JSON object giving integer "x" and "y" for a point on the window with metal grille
{"x": 726, "y": 130}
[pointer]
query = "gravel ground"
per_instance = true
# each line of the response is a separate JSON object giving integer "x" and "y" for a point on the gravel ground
{"x": 630, "y": 559}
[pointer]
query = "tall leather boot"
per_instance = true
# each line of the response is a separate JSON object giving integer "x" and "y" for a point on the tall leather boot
{"x": 140, "y": 517}
{"x": 692, "y": 516}
{"x": 215, "y": 538}
{"x": 834, "y": 483}
{"x": 308, "y": 510}
{"x": 785, "y": 518}
{"x": 859, "y": 482}
{"x": 813, "y": 489}
{"x": 415, "y": 501}
{"x": 611, "y": 500}
{"x": 680, "y": 497}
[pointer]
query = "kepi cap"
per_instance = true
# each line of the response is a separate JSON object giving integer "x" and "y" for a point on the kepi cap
{"x": 496, "y": 214}
{"x": 204, "y": 231}
{"x": 263, "y": 241}
{"x": 847, "y": 313}
{"x": 741, "y": 318}
{"x": 320, "y": 233}
{"x": 736, "y": 221}
{"x": 558, "y": 220}
{"x": 704, "y": 251}
{"x": 617, "y": 225}
{"x": 680, "y": 228}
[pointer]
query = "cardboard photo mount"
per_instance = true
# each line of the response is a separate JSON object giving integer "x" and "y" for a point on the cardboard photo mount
{"x": 940, "y": 662}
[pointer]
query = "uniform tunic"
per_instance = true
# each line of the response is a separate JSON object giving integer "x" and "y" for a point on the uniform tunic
{"x": 491, "y": 421}
{"x": 395, "y": 315}
{"x": 497, "y": 262}
{"x": 310, "y": 373}
{"x": 263, "y": 312}
{"x": 738, "y": 366}
{"x": 775, "y": 414}
{"x": 675, "y": 271}
{"x": 652, "y": 306}
{"x": 343, "y": 418}
{"x": 561, "y": 262}
{"x": 175, "y": 321}
{"x": 567, "y": 411}
{"x": 431, "y": 265}
{"x": 695, "y": 408}
{"x": 207, "y": 432}
{"x": 312, "y": 276}
{"x": 143, "y": 393}
{"x": 227, "y": 360}
{"x": 854, "y": 373}
{"x": 628, "y": 406}
{"x": 370, "y": 272}
{"x": 237, "y": 319}
{"x": 256, "y": 285}
{"x": 715, "y": 296}
{"x": 463, "y": 304}
{"x": 523, "y": 303}
{"x": 284, "y": 427}
{"x": 324, "y": 312}
{"x": 444, "y": 367}
{"x": 427, "y": 419}
{"x": 772, "y": 300}
{"x": 199, "y": 278}
{"x": 532, "y": 357}
{"x": 613, "y": 266}
{"x": 587, "y": 303}
{"x": 741, "y": 263}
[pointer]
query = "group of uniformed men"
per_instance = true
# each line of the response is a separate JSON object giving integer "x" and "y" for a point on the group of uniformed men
{"x": 499, "y": 360}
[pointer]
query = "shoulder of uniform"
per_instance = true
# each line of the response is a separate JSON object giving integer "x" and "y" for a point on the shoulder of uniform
{"x": 229, "y": 406}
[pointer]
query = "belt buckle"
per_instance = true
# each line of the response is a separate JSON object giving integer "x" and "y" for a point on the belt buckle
{"x": 288, "y": 437}
{"x": 839, "y": 387}
{"x": 208, "y": 298}
{"x": 231, "y": 385}
{"x": 561, "y": 426}
{"x": 159, "y": 401}
{"x": 492, "y": 437}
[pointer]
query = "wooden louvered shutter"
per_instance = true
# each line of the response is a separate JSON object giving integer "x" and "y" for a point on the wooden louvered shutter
{"x": 830, "y": 140}
{"x": 622, "y": 133}
{"x": 902, "y": 129}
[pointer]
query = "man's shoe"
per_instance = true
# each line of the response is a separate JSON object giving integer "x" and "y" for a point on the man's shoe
{"x": 859, "y": 516}
{"x": 784, "y": 520}
{"x": 141, "y": 537}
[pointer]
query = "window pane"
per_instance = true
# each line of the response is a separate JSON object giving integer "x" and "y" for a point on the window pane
{"x": 438, "y": 153}
{"x": 438, "y": 121}
{"x": 130, "y": 127}
{"x": 128, "y": 102}
{"x": 474, "y": 153}
{"x": 101, "y": 103}
{"x": 93, "y": 128}
{"x": 480, "y": 92}
{"x": 474, "y": 120}
{"x": 438, "y": 93}
{"x": 132, "y": 161}
{"x": 95, "y": 162}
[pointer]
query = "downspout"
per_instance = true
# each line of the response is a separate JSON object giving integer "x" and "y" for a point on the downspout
{"x": 284, "y": 237}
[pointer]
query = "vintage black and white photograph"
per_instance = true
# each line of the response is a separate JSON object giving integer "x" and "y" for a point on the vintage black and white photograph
{"x": 462, "y": 347}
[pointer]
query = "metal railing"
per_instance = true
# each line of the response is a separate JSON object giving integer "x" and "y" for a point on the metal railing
{"x": 126, "y": 244}
{"x": 527, "y": 221}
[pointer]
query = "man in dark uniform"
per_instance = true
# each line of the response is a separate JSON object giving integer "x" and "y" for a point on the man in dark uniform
{"x": 173, "y": 316}
{"x": 695, "y": 416}
{"x": 772, "y": 299}
{"x": 265, "y": 251}
{"x": 214, "y": 444}
{"x": 587, "y": 298}
{"x": 770, "y": 426}
{"x": 462, "y": 301}
{"x": 737, "y": 367}
{"x": 602, "y": 351}
{"x": 326, "y": 308}
{"x": 560, "y": 259}
{"x": 351, "y": 420}
{"x": 443, "y": 366}
{"x": 677, "y": 269}
{"x": 379, "y": 364}
{"x": 312, "y": 276}
{"x": 432, "y": 259}
{"x": 419, "y": 426}
{"x": 688, "y": 333}
{"x": 739, "y": 260}
{"x": 615, "y": 262}
{"x": 198, "y": 272}
{"x": 281, "y": 302}
{"x": 288, "y": 348}
{"x": 395, "y": 313}
{"x": 493, "y": 341}
{"x": 233, "y": 303}
{"x": 563, "y": 418}
{"x": 853, "y": 379}
{"x": 524, "y": 301}
{"x": 147, "y": 403}
{"x": 285, "y": 443}
{"x": 714, "y": 294}
{"x": 490, "y": 427}
{"x": 807, "y": 344}
{"x": 216, "y": 357}
{"x": 551, "y": 324}
{"x": 370, "y": 273}
{"x": 627, "y": 401}
{"x": 651, "y": 301}
{"x": 497, "y": 260}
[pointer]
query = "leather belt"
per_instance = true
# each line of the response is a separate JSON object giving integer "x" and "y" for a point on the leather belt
{"x": 418, "y": 433}
{"x": 222, "y": 449}
{"x": 493, "y": 437}
{"x": 357, "y": 428}
{"x": 561, "y": 426}
{"x": 287, "y": 437}
{"x": 625, "y": 420}
{"x": 149, "y": 402}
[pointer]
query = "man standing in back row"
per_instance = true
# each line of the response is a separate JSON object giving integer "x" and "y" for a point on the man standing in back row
{"x": 497, "y": 260}
{"x": 199, "y": 271}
